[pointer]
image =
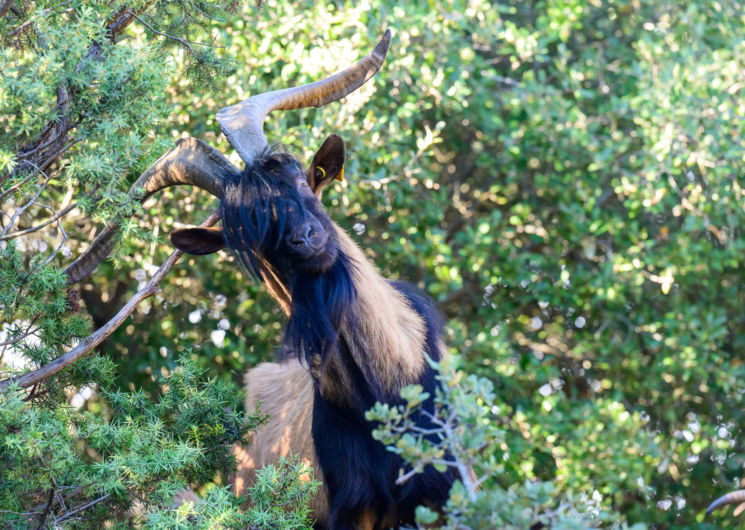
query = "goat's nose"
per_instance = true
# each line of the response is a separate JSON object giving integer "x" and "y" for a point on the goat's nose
{"x": 301, "y": 235}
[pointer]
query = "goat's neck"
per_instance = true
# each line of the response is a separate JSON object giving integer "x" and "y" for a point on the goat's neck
{"x": 387, "y": 339}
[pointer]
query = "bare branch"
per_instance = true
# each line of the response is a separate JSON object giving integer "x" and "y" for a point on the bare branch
{"x": 85, "y": 506}
{"x": 18, "y": 339}
{"x": 62, "y": 239}
{"x": 20, "y": 28}
{"x": 87, "y": 345}
{"x": 49, "y": 221}
{"x": 406, "y": 476}
{"x": 19, "y": 211}
{"x": 181, "y": 41}
{"x": 464, "y": 470}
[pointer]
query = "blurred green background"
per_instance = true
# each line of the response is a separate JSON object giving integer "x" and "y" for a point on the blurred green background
{"x": 564, "y": 177}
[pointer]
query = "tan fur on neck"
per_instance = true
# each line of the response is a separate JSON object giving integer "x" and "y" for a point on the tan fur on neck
{"x": 392, "y": 332}
{"x": 279, "y": 291}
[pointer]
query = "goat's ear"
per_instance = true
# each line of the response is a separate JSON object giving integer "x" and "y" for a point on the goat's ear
{"x": 198, "y": 241}
{"x": 327, "y": 164}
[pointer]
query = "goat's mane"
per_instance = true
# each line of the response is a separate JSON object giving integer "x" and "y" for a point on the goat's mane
{"x": 255, "y": 204}
{"x": 321, "y": 304}
{"x": 254, "y": 211}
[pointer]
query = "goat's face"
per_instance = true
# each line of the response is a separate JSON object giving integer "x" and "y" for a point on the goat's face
{"x": 272, "y": 214}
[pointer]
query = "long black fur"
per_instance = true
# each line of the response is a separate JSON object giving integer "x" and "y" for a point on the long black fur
{"x": 255, "y": 207}
{"x": 320, "y": 306}
{"x": 359, "y": 473}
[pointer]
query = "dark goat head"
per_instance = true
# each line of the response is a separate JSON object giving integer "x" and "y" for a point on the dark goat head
{"x": 272, "y": 214}
{"x": 274, "y": 221}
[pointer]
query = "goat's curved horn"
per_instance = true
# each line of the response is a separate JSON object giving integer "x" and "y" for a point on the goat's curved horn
{"x": 734, "y": 497}
{"x": 190, "y": 161}
{"x": 243, "y": 123}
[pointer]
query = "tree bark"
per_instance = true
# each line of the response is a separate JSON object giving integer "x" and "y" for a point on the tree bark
{"x": 46, "y": 148}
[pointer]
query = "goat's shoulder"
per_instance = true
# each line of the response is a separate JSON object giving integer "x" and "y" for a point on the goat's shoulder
{"x": 283, "y": 391}
{"x": 274, "y": 381}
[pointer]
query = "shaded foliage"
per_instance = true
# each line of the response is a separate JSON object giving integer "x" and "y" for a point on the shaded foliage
{"x": 562, "y": 176}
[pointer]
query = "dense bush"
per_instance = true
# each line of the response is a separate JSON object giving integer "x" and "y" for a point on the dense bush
{"x": 562, "y": 176}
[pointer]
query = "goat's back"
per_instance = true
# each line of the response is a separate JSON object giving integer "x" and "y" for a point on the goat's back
{"x": 284, "y": 391}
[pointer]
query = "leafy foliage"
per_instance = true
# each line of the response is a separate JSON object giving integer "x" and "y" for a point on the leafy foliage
{"x": 469, "y": 439}
{"x": 280, "y": 494}
{"x": 60, "y": 462}
{"x": 562, "y": 176}
{"x": 278, "y": 501}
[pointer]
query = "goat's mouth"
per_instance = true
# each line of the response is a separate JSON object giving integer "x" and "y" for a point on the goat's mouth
{"x": 320, "y": 259}
{"x": 319, "y": 243}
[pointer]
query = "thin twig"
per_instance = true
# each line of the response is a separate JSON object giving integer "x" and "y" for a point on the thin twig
{"x": 39, "y": 169}
{"x": 463, "y": 468}
{"x": 507, "y": 81}
{"x": 61, "y": 243}
{"x": 25, "y": 206}
{"x": 21, "y": 183}
{"x": 18, "y": 339}
{"x": 205, "y": 14}
{"x": 62, "y": 231}
{"x": 177, "y": 39}
{"x": 406, "y": 476}
{"x": 28, "y": 332}
{"x": 97, "y": 337}
{"x": 76, "y": 510}
{"x": 49, "y": 221}
{"x": 20, "y": 28}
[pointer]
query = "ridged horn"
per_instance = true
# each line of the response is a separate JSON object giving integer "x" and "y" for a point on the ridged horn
{"x": 243, "y": 123}
{"x": 734, "y": 497}
{"x": 190, "y": 161}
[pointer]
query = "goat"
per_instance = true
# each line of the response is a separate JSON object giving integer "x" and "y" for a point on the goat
{"x": 352, "y": 337}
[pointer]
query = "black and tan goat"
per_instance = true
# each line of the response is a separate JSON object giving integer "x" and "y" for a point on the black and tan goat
{"x": 352, "y": 337}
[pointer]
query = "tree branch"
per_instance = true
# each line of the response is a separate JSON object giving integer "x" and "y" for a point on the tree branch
{"x": 56, "y": 131}
{"x": 181, "y": 41}
{"x": 49, "y": 221}
{"x": 5, "y": 7}
{"x": 22, "y": 209}
{"x": 87, "y": 345}
{"x": 77, "y": 510}
{"x": 177, "y": 39}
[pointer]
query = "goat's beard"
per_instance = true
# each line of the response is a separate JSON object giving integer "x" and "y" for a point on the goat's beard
{"x": 321, "y": 262}
{"x": 321, "y": 305}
